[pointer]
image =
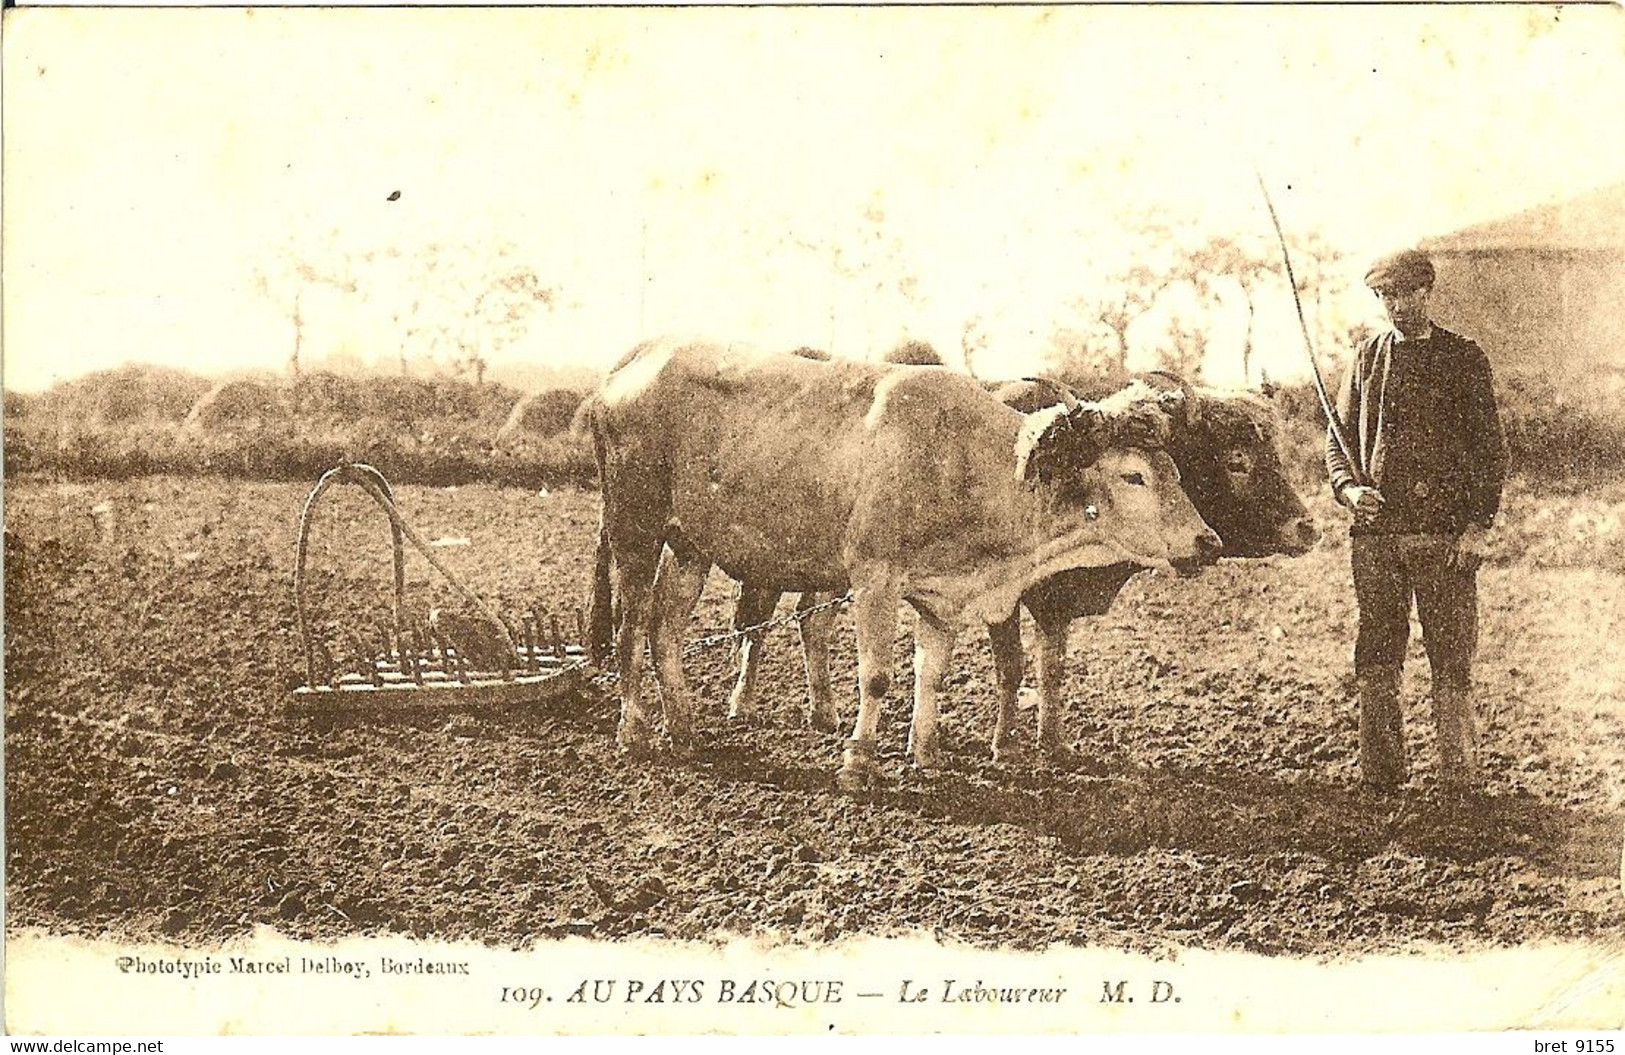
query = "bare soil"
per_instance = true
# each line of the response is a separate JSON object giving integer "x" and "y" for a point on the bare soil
{"x": 157, "y": 785}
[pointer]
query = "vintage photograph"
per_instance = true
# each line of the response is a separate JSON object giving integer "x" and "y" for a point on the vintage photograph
{"x": 789, "y": 520}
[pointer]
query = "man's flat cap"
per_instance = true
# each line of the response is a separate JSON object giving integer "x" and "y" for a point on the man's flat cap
{"x": 1406, "y": 270}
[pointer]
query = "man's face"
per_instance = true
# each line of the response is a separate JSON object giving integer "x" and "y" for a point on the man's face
{"x": 1407, "y": 308}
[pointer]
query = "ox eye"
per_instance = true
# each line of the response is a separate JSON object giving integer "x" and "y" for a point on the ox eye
{"x": 1137, "y": 479}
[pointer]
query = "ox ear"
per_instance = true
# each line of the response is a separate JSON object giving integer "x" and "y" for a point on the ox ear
{"x": 1057, "y": 441}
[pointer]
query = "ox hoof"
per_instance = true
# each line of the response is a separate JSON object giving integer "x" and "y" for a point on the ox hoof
{"x": 1458, "y": 776}
{"x": 633, "y": 739}
{"x": 636, "y": 750}
{"x": 739, "y": 710}
{"x": 1382, "y": 786}
{"x": 1009, "y": 751}
{"x": 824, "y": 722}
{"x": 1460, "y": 795}
{"x": 680, "y": 739}
{"x": 858, "y": 770}
{"x": 1383, "y": 777}
{"x": 852, "y": 779}
{"x": 927, "y": 756}
{"x": 1060, "y": 756}
{"x": 1460, "y": 786}
{"x": 752, "y": 718}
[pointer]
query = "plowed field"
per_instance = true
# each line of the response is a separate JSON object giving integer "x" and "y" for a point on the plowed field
{"x": 158, "y": 787}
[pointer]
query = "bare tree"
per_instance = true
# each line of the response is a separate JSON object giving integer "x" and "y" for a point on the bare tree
{"x": 972, "y": 342}
{"x": 1186, "y": 348}
{"x": 1317, "y": 265}
{"x": 1225, "y": 268}
{"x": 1088, "y": 351}
{"x": 1126, "y": 283}
{"x": 1223, "y": 262}
{"x": 290, "y": 273}
{"x": 501, "y": 314}
{"x": 1130, "y": 293}
{"x": 458, "y": 303}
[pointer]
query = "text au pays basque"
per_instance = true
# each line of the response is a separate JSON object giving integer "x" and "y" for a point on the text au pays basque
{"x": 802, "y": 993}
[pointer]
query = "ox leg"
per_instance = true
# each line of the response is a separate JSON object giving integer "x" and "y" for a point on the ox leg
{"x": 634, "y": 574}
{"x": 1005, "y": 639}
{"x": 933, "y": 648}
{"x": 755, "y": 607}
{"x": 874, "y": 612}
{"x": 814, "y": 626}
{"x": 1051, "y": 668}
{"x": 677, "y": 590}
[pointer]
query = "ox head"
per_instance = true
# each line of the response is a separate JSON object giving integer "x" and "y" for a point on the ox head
{"x": 1107, "y": 463}
{"x": 1225, "y": 447}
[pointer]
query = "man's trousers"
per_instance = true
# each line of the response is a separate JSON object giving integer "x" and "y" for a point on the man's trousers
{"x": 1389, "y": 571}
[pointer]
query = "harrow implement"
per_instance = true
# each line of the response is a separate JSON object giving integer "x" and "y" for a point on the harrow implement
{"x": 452, "y": 659}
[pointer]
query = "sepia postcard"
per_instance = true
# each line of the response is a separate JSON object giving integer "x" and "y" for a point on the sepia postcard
{"x": 1018, "y": 435}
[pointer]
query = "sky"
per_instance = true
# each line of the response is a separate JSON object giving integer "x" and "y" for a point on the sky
{"x": 709, "y": 171}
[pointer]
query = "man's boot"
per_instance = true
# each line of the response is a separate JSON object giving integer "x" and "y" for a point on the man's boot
{"x": 1382, "y": 740}
{"x": 1457, "y": 734}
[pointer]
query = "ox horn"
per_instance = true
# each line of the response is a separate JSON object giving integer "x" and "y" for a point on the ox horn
{"x": 1068, "y": 400}
{"x": 1166, "y": 378}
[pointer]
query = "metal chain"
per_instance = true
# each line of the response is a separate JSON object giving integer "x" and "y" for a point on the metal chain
{"x": 794, "y": 617}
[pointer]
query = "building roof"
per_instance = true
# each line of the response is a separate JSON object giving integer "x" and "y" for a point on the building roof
{"x": 1593, "y": 221}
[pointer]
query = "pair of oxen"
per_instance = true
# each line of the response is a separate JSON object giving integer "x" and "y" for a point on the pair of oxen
{"x": 904, "y": 483}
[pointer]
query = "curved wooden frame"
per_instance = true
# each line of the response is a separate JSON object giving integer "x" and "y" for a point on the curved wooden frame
{"x": 413, "y": 682}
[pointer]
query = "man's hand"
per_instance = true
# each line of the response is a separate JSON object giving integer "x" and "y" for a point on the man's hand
{"x": 1471, "y": 548}
{"x": 1365, "y": 501}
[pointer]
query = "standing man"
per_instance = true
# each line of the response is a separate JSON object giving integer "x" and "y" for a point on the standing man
{"x": 1423, "y": 478}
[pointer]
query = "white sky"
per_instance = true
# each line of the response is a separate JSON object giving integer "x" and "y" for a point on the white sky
{"x": 661, "y": 166}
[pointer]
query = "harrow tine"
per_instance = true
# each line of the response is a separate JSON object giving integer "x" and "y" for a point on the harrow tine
{"x": 425, "y": 650}
{"x": 581, "y": 626}
{"x": 380, "y": 659}
{"x": 443, "y": 653}
{"x": 461, "y": 659}
{"x": 329, "y": 668}
{"x": 361, "y": 664}
{"x": 530, "y": 641}
{"x": 515, "y": 659}
{"x": 540, "y": 623}
{"x": 410, "y": 643}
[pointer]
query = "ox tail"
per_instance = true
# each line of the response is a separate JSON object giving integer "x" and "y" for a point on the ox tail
{"x": 601, "y": 618}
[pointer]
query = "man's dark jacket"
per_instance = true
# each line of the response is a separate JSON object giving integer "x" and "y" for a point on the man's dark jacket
{"x": 1420, "y": 416}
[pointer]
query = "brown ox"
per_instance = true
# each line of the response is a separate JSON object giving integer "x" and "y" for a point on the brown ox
{"x": 898, "y": 483}
{"x": 1224, "y": 445}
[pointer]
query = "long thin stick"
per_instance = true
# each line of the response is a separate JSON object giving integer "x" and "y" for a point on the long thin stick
{"x": 1336, "y": 423}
